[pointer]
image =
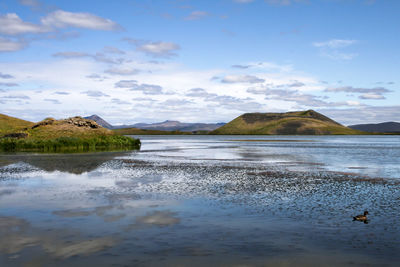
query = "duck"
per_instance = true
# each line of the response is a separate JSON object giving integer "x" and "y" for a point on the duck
{"x": 362, "y": 218}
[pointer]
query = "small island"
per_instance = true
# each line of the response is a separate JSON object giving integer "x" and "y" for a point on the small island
{"x": 75, "y": 134}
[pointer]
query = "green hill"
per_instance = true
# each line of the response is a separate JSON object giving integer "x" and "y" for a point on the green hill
{"x": 71, "y": 135}
{"x": 307, "y": 122}
{"x": 10, "y": 124}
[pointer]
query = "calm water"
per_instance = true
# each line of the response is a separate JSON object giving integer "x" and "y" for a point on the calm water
{"x": 205, "y": 200}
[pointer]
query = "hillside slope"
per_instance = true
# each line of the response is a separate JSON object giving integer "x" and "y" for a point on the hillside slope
{"x": 72, "y": 127}
{"x": 10, "y": 124}
{"x": 384, "y": 127}
{"x": 307, "y": 122}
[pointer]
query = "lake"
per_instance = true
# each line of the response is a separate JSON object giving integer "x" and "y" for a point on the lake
{"x": 205, "y": 200}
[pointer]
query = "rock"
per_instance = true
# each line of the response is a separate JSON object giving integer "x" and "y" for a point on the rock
{"x": 81, "y": 122}
{"x": 76, "y": 121}
{"x": 16, "y": 135}
{"x": 46, "y": 121}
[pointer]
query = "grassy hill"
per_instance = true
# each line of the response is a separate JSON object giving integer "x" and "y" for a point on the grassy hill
{"x": 137, "y": 131}
{"x": 307, "y": 122}
{"x": 72, "y": 134}
{"x": 10, "y": 124}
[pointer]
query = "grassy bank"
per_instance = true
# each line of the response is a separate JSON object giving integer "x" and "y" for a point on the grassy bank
{"x": 70, "y": 144}
{"x": 74, "y": 134}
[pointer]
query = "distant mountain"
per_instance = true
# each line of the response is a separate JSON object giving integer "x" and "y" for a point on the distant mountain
{"x": 137, "y": 131}
{"x": 175, "y": 126}
{"x": 307, "y": 122}
{"x": 99, "y": 121}
{"x": 384, "y": 127}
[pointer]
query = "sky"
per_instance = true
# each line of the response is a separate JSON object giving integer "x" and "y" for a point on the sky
{"x": 132, "y": 61}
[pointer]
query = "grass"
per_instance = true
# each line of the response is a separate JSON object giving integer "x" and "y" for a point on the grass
{"x": 70, "y": 144}
{"x": 11, "y": 125}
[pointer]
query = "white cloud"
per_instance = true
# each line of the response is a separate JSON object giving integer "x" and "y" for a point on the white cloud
{"x": 286, "y": 2}
{"x": 100, "y": 57}
{"x": 375, "y": 93}
{"x": 113, "y": 50}
{"x": 195, "y": 15}
{"x": 126, "y": 84}
{"x": 372, "y": 96}
{"x": 123, "y": 99}
{"x": 12, "y": 24}
{"x": 364, "y": 114}
{"x": 5, "y": 76}
{"x": 242, "y": 79}
{"x": 95, "y": 93}
{"x": 197, "y": 92}
{"x": 16, "y": 96}
{"x": 279, "y": 2}
{"x": 333, "y": 49}
{"x": 31, "y": 3}
{"x": 148, "y": 89}
{"x": 159, "y": 49}
{"x": 71, "y": 54}
{"x": 122, "y": 71}
{"x": 8, "y": 84}
{"x": 52, "y": 100}
{"x": 243, "y": 1}
{"x": 63, "y": 19}
{"x": 155, "y": 49}
{"x": 351, "y": 89}
{"x": 335, "y": 43}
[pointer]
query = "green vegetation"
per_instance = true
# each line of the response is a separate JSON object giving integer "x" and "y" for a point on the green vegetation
{"x": 69, "y": 135}
{"x": 136, "y": 131}
{"x": 11, "y": 125}
{"x": 307, "y": 122}
{"x": 70, "y": 144}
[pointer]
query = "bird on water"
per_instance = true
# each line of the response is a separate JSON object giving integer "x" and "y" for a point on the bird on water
{"x": 361, "y": 218}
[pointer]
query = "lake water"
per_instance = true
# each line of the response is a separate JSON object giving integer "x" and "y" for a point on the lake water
{"x": 205, "y": 200}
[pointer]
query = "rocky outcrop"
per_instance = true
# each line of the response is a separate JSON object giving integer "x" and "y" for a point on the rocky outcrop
{"x": 75, "y": 121}
{"x": 47, "y": 121}
{"x": 81, "y": 122}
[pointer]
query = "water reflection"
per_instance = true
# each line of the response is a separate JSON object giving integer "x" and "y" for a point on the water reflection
{"x": 18, "y": 234}
{"x": 201, "y": 202}
{"x": 72, "y": 163}
{"x": 157, "y": 218}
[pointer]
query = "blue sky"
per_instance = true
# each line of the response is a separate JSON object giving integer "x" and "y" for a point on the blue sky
{"x": 199, "y": 61}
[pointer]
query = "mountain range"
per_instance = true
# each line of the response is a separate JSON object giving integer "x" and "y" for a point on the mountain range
{"x": 300, "y": 122}
{"x": 99, "y": 121}
{"x": 385, "y": 127}
{"x": 161, "y": 126}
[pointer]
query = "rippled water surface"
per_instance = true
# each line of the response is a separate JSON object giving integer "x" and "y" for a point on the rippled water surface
{"x": 205, "y": 200}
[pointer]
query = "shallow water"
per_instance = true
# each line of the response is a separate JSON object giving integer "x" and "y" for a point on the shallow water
{"x": 197, "y": 200}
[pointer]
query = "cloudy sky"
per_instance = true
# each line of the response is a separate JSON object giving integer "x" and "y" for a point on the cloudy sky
{"x": 135, "y": 61}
